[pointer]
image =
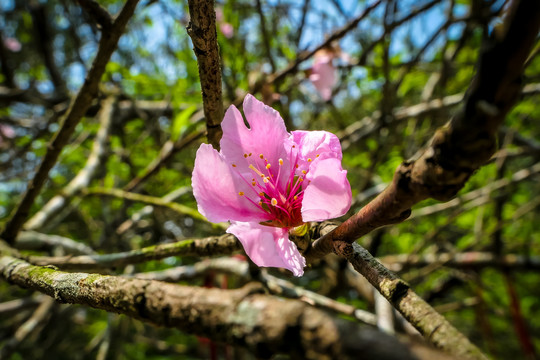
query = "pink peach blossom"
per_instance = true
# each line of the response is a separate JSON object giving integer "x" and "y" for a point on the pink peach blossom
{"x": 226, "y": 29}
{"x": 323, "y": 75}
{"x": 7, "y": 131}
{"x": 266, "y": 182}
{"x": 12, "y": 44}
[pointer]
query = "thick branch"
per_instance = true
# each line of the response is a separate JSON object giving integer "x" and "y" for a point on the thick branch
{"x": 203, "y": 33}
{"x": 76, "y": 111}
{"x": 264, "y": 324}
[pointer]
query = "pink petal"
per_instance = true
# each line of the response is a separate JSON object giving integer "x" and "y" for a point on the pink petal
{"x": 267, "y": 135}
{"x": 268, "y": 246}
{"x": 216, "y": 187}
{"x": 323, "y": 76}
{"x": 226, "y": 29}
{"x": 7, "y": 131}
{"x": 12, "y": 44}
{"x": 328, "y": 193}
{"x": 219, "y": 14}
{"x": 313, "y": 143}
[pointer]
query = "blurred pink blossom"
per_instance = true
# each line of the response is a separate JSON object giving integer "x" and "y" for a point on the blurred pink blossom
{"x": 226, "y": 29}
{"x": 323, "y": 73}
{"x": 12, "y": 44}
{"x": 7, "y": 131}
{"x": 267, "y": 182}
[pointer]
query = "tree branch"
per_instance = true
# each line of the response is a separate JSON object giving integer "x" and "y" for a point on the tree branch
{"x": 264, "y": 324}
{"x": 203, "y": 33}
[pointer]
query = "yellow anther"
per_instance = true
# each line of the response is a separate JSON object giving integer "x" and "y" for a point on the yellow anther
{"x": 260, "y": 203}
{"x": 265, "y": 180}
{"x": 304, "y": 172}
{"x": 261, "y": 156}
{"x": 295, "y": 197}
{"x": 256, "y": 171}
{"x": 268, "y": 166}
{"x": 301, "y": 179}
{"x": 309, "y": 159}
{"x": 262, "y": 176}
{"x": 318, "y": 155}
{"x": 280, "y": 161}
{"x": 245, "y": 155}
{"x": 233, "y": 165}
{"x": 241, "y": 193}
{"x": 253, "y": 183}
{"x": 249, "y": 154}
{"x": 273, "y": 202}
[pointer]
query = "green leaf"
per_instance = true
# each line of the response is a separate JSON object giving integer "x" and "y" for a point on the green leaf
{"x": 181, "y": 121}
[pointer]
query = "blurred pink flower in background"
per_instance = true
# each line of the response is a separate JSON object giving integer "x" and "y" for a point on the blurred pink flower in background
{"x": 266, "y": 182}
{"x": 323, "y": 73}
{"x": 226, "y": 29}
{"x": 7, "y": 131}
{"x": 12, "y": 44}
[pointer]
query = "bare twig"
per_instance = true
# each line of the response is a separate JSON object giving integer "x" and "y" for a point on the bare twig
{"x": 99, "y": 14}
{"x": 203, "y": 33}
{"x": 166, "y": 153}
{"x": 466, "y": 260}
{"x": 216, "y": 245}
{"x": 32, "y": 240}
{"x": 152, "y": 200}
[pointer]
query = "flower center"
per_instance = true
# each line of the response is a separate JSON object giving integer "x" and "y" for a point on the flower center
{"x": 280, "y": 199}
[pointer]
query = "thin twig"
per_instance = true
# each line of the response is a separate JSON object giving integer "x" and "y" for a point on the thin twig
{"x": 215, "y": 245}
{"x": 152, "y": 200}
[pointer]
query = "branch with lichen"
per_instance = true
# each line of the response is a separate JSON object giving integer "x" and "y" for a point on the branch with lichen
{"x": 264, "y": 324}
{"x": 276, "y": 286}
